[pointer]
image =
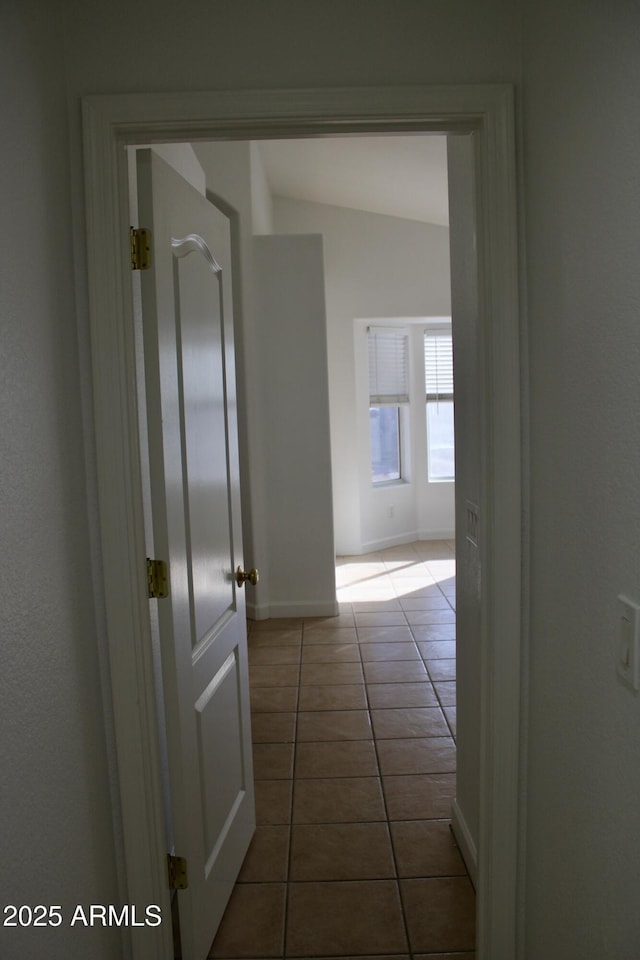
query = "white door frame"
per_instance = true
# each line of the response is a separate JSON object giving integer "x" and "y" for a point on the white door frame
{"x": 110, "y": 123}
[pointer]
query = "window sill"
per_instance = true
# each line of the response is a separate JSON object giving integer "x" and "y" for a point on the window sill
{"x": 386, "y": 484}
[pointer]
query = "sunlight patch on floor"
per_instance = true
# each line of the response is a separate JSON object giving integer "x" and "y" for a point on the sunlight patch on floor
{"x": 415, "y": 570}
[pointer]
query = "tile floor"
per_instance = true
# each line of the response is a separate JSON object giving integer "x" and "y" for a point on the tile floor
{"x": 354, "y": 760}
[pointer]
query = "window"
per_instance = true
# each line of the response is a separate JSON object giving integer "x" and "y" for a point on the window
{"x": 388, "y": 393}
{"x": 384, "y": 430}
{"x": 438, "y": 375}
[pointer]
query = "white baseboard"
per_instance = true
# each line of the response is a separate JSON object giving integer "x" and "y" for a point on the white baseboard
{"x": 257, "y": 611}
{"x": 396, "y": 541}
{"x": 291, "y": 609}
{"x": 465, "y": 841}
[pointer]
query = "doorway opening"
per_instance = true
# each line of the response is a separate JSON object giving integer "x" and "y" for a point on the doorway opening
{"x": 407, "y": 594}
{"x": 486, "y": 114}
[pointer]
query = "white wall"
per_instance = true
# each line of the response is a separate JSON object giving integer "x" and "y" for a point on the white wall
{"x": 55, "y": 805}
{"x": 581, "y": 101}
{"x": 289, "y": 287}
{"x": 244, "y": 45}
{"x": 182, "y": 157}
{"x": 376, "y": 267}
{"x": 261, "y": 202}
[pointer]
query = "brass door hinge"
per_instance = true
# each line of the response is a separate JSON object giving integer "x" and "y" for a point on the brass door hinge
{"x": 140, "y": 240}
{"x": 157, "y": 579}
{"x": 177, "y": 867}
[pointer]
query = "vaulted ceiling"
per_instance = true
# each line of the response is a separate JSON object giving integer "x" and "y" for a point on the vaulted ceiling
{"x": 402, "y": 176}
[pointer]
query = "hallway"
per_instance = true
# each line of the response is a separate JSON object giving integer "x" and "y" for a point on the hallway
{"x": 354, "y": 759}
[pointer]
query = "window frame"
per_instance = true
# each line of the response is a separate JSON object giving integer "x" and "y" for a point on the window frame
{"x": 398, "y": 398}
{"x": 445, "y": 396}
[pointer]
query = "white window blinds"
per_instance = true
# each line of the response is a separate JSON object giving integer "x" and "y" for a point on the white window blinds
{"x": 388, "y": 367}
{"x": 438, "y": 365}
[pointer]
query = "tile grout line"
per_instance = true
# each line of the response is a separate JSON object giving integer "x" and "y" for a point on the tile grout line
{"x": 287, "y": 889}
{"x": 386, "y": 810}
{"x": 437, "y": 692}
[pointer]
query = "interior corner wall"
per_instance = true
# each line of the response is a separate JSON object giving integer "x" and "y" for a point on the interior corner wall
{"x": 375, "y": 266}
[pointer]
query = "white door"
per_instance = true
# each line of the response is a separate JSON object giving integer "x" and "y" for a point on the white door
{"x": 195, "y": 503}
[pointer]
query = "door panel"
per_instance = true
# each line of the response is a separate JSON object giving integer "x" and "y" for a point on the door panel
{"x": 220, "y": 738}
{"x": 204, "y": 427}
{"x": 193, "y": 456}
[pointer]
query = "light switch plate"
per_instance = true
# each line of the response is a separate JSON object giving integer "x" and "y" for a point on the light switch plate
{"x": 629, "y": 642}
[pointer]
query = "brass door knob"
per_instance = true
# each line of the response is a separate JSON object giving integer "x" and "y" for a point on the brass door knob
{"x": 242, "y": 577}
